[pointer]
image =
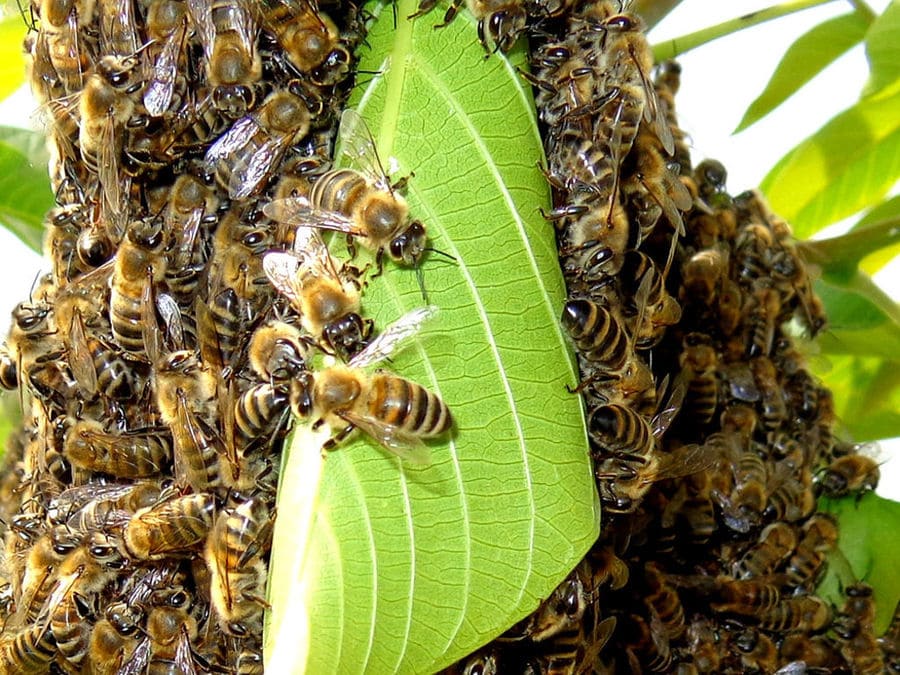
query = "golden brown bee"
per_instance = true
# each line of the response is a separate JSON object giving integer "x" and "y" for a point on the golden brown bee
{"x": 139, "y": 263}
{"x": 106, "y": 105}
{"x": 663, "y": 601}
{"x": 655, "y": 308}
{"x": 139, "y": 454}
{"x": 757, "y": 651}
{"x": 113, "y": 638}
{"x": 118, "y": 33}
{"x": 499, "y": 21}
{"x": 70, "y": 626}
{"x": 699, "y": 362}
{"x": 819, "y": 536}
{"x": 816, "y": 651}
{"x": 322, "y": 293}
{"x": 60, "y": 22}
{"x": 172, "y": 526}
{"x": 562, "y": 610}
{"x": 850, "y": 473}
{"x": 646, "y": 645}
{"x": 745, "y": 597}
{"x": 277, "y": 351}
{"x": 191, "y": 203}
{"x": 234, "y": 555}
{"x": 260, "y": 410}
{"x": 776, "y": 544}
{"x": 9, "y": 373}
{"x": 360, "y": 201}
{"x": 227, "y": 31}
{"x": 701, "y": 276}
{"x": 396, "y": 412}
{"x": 245, "y": 156}
{"x": 774, "y": 407}
{"x": 166, "y": 23}
{"x": 310, "y": 39}
{"x": 97, "y": 367}
{"x": 27, "y": 652}
{"x": 197, "y": 447}
{"x": 39, "y": 575}
{"x": 805, "y": 613}
{"x": 704, "y": 644}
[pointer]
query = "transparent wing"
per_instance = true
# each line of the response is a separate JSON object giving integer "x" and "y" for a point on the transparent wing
{"x": 184, "y": 657}
{"x": 655, "y": 114}
{"x": 171, "y": 315}
{"x": 201, "y": 17}
{"x": 188, "y": 231}
{"x": 403, "y": 444}
{"x": 158, "y": 94}
{"x": 315, "y": 258}
{"x": 113, "y": 186}
{"x": 358, "y": 145}
{"x": 138, "y": 661}
{"x": 298, "y": 211}
{"x": 684, "y": 461}
{"x": 246, "y": 177}
{"x": 232, "y": 141}
{"x": 282, "y": 269}
{"x": 81, "y": 363}
{"x": 150, "y": 333}
{"x": 393, "y": 337}
{"x": 245, "y": 25}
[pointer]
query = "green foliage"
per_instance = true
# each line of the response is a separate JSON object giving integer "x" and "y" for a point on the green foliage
{"x": 883, "y": 50}
{"x": 25, "y": 194}
{"x": 400, "y": 568}
{"x": 807, "y": 57}
{"x": 867, "y": 551}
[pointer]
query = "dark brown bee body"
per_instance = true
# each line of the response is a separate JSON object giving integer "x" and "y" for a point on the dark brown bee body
{"x": 407, "y": 406}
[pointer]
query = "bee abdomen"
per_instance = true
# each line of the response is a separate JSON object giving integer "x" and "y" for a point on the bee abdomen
{"x": 339, "y": 191}
{"x": 259, "y": 408}
{"x": 597, "y": 334}
{"x": 125, "y": 322}
{"x": 409, "y": 406}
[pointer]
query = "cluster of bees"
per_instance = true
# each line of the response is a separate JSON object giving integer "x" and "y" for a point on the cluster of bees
{"x": 710, "y": 439}
{"x": 190, "y": 303}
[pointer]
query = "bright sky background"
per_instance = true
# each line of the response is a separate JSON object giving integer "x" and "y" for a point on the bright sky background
{"x": 719, "y": 80}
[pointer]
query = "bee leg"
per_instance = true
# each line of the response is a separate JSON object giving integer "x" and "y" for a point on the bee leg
{"x": 337, "y": 439}
{"x": 424, "y": 7}
{"x": 351, "y": 246}
{"x": 566, "y": 211}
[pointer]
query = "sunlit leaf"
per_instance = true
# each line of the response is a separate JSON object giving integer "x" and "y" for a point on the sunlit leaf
{"x": 25, "y": 194}
{"x": 870, "y": 545}
{"x": 810, "y": 54}
{"x": 12, "y": 61}
{"x": 406, "y": 569}
{"x": 883, "y": 50}
{"x": 866, "y": 393}
{"x": 889, "y": 209}
{"x": 846, "y": 166}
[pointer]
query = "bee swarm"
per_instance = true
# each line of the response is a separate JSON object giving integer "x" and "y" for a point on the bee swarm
{"x": 153, "y": 362}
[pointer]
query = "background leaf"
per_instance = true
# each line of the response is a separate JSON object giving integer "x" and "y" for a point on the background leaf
{"x": 811, "y": 53}
{"x": 25, "y": 194}
{"x": 869, "y": 543}
{"x": 408, "y": 569}
{"x": 883, "y": 50}
{"x": 866, "y": 393}
{"x": 12, "y": 60}
{"x": 889, "y": 209}
{"x": 847, "y": 165}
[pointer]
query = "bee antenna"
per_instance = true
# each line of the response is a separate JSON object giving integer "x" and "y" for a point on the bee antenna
{"x": 440, "y": 252}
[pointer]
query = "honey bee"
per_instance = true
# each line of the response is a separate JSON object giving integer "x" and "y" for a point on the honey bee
{"x": 701, "y": 276}
{"x": 395, "y": 412}
{"x": 190, "y": 205}
{"x": 39, "y": 576}
{"x": 775, "y": 545}
{"x": 60, "y": 21}
{"x": 171, "y": 628}
{"x": 699, "y": 361}
{"x": 70, "y": 626}
{"x": 745, "y": 597}
{"x": 816, "y": 651}
{"x": 310, "y": 39}
{"x": 29, "y": 651}
{"x": 166, "y": 26}
{"x": 97, "y": 367}
{"x": 663, "y": 601}
{"x": 655, "y": 308}
{"x": 9, "y": 373}
{"x": 758, "y": 652}
{"x": 646, "y": 645}
{"x": 113, "y": 638}
{"x": 234, "y": 555}
{"x": 806, "y": 565}
{"x": 140, "y": 454}
{"x": 483, "y": 662}
{"x": 805, "y": 613}
{"x": 244, "y": 157}
{"x": 499, "y": 23}
{"x": 277, "y": 351}
{"x": 106, "y": 105}
{"x": 174, "y": 525}
{"x": 260, "y": 409}
{"x": 360, "y": 201}
{"x": 321, "y": 292}
{"x": 227, "y": 31}
{"x": 774, "y": 408}
{"x": 138, "y": 264}
{"x": 561, "y": 610}
{"x": 850, "y": 473}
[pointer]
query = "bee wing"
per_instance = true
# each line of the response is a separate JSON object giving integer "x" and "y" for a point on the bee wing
{"x": 184, "y": 657}
{"x": 138, "y": 661}
{"x": 393, "y": 337}
{"x": 358, "y": 145}
{"x": 198, "y": 438}
{"x": 684, "y": 461}
{"x": 158, "y": 94}
{"x": 200, "y": 12}
{"x": 81, "y": 363}
{"x": 232, "y": 141}
{"x": 282, "y": 269}
{"x": 395, "y": 440}
{"x": 298, "y": 211}
{"x": 655, "y": 114}
{"x": 742, "y": 383}
{"x": 664, "y": 418}
{"x": 246, "y": 27}
{"x": 247, "y": 177}
{"x": 118, "y": 25}
{"x": 150, "y": 334}
{"x": 171, "y": 315}
{"x": 113, "y": 186}
{"x": 315, "y": 258}
{"x": 188, "y": 238}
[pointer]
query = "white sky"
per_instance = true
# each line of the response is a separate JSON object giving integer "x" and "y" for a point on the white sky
{"x": 719, "y": 80}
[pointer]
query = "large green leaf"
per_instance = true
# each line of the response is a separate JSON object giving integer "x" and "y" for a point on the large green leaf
{"x": 12, "y": 61}
{"x": 888, "y": 210}
{"x": 383, "y": 567}
{"x": 810, "y": 54}
{"x": 847, "y": 165}
{"x": 883, "y": 50}
{"x": 25, "y": 194}
{"x": 866, "y": 393}
{"x": 869, "y": 543}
